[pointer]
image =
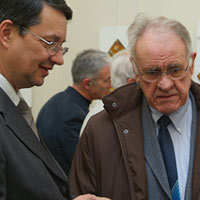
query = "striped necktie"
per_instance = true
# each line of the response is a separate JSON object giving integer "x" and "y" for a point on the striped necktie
{"x": 168, "y": 154}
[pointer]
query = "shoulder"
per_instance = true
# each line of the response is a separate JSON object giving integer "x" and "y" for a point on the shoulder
{"x": 195, "y": 89}
{"x": 99, "y": 124}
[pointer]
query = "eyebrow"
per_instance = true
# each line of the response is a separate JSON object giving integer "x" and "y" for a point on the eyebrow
{"x": 175, "y": 65}
{"x": 170, "y": 65}
{"x": 55, "y": 38}
{"x": 151, "y": 68}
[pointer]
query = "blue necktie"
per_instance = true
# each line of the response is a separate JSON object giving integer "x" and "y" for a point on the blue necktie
{"x": 167, "y": 150}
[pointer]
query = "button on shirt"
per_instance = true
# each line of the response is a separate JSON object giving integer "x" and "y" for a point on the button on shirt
{"x": 180, "y": 132}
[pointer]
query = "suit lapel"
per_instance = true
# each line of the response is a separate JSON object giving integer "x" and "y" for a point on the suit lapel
{"x": 195, "y": 89}
{"x": 152, "y": 151}
{"x": 196, "y": 168}
{"x": 24, "y": 133}
{"x": 188, "y": 189}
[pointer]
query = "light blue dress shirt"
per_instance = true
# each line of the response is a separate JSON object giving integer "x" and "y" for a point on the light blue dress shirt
{"x": 180, "y": 132}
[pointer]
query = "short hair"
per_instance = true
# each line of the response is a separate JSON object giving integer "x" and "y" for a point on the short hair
{"x": 25, "y": 13}
{"x": 143, "y": 23}
{"x": 121, "y": 69}
{"x": 88, "y": 63}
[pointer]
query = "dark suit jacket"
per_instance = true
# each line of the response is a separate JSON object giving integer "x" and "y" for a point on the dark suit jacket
{"x": 27, "y": 170}
{"x": 59, "y": 123}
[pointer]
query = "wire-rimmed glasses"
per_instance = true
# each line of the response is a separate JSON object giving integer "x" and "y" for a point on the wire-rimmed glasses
{"x": 52, "y": 47}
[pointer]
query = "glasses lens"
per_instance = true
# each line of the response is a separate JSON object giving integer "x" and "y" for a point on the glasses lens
{"x": 151, "y": 75}
{"x": 53, "y": 49}
{"x": 176, "y": 73}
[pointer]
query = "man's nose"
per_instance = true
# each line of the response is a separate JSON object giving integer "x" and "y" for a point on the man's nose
{"x": 57, "y": 58}
{"x": 165, "y": 82}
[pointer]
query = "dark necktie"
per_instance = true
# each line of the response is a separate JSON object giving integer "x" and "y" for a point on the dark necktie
{"x": 168, "y": 154}
{"x": 27, "y": 114}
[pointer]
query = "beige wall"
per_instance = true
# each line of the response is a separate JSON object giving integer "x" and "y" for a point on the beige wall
{"x": 90, "y": 15}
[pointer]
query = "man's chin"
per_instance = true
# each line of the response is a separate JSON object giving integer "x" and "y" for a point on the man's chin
{"x": 167, "y": 109}
{"x": 39, "y": 83}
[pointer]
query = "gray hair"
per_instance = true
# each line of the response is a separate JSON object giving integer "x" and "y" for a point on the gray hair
{"x": 142, "y": 23}
{"x": 88, "y": 63}
{"x": 121, "y": 69}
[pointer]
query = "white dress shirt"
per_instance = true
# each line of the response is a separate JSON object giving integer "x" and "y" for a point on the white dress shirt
{"x": 9, "y": 90}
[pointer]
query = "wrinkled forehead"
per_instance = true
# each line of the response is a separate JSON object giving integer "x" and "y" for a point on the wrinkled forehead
{"x": 159, "y": 43}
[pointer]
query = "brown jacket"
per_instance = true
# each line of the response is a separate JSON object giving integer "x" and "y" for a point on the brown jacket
{"x": 109, "y": 160}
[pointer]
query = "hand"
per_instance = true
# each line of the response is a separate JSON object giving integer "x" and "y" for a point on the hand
{"x": 90, "y": 197}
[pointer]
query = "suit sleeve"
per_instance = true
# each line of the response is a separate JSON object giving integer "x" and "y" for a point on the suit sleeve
{"x": 2, "y": 175}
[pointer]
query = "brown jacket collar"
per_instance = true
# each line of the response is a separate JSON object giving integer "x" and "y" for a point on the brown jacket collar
{"x": 119, "y": 102}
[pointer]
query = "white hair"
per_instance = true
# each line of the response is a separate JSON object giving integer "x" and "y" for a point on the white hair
{"x": 142, "y": 23}
{"x": 121, "y": 69}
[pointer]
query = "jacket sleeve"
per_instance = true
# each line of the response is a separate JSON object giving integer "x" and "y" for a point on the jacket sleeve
{"x": 68, "y": 136}
{"x": 2, "y": 176}
{"x": 82, "y": 173}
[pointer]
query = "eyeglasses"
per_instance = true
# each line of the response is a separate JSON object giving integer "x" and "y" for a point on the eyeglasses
{"x": 174, "y": 73}
{"x": 153, "y": 75}
{"x": 52, "y": 47}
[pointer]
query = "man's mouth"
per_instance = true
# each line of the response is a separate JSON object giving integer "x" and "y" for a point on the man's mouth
{"x": 166, "y": 97}
{"x": 45, "y": 69}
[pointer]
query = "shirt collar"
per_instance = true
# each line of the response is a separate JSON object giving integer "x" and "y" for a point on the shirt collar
{"x": 9, "y": 90}
{"x": 178, "y": 118}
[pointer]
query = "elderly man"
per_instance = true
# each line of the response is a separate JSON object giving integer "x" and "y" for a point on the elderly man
{"x": 32, "y": 34}
{"x": 146, "y": 144}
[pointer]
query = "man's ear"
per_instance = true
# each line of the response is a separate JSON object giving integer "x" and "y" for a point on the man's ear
{"x": 191, "y": 62}
{"x": 137, "y": 78}
{"x": 86, "y": 82}
{"x": 130, "y": 80}
{"x": 6, "y": 28}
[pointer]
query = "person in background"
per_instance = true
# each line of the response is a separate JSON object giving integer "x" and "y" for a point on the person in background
{"x": 60, "y": 119}
{"x": 146, "y": 144}
{"x": 121, "y": 74}
{"x": 32, "y": 35}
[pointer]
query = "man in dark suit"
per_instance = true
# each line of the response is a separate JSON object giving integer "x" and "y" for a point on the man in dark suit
{"x": 31, "y": 38}
{"x": 146, "y": 144}
{"x": 60, "y": 119}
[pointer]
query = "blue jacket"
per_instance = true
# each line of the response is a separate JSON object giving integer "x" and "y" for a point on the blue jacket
{"x": 59, "y": 123}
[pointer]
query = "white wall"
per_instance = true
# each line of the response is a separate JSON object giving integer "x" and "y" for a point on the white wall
{"x": 90, "y": 15}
